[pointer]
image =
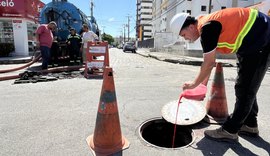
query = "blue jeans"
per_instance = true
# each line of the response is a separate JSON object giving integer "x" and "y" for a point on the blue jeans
{"x": 45, "y": 54}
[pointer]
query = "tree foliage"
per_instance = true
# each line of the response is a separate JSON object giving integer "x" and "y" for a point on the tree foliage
{"x": 108, "y": 38}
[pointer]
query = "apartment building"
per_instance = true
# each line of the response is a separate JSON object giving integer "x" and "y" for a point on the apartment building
{"x": 164, "y": 10}
{"x": 144, "y": 20}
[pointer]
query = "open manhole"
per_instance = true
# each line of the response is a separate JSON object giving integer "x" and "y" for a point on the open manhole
{"x": 157, "y": 132}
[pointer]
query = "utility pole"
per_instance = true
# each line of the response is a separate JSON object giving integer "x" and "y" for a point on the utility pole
{"x": 91, "y": 8}
{"x": 121, "y": 32}
{"x": 103, "y": 26}
{"x": 124, "y": 32}
{"x": 121, "y": 36}
{"x": 128, "y": 25}
{"x": 210, "y": 6}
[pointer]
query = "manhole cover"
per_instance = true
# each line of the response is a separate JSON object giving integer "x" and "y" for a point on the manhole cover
{"x": 190, "y": 112}
{"x": 157, "y": 132}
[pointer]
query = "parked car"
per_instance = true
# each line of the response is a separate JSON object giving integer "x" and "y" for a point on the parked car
{"x": 129, "y": 46}
{"x": 32, "y": 46}
{"x": 120, "y": 46}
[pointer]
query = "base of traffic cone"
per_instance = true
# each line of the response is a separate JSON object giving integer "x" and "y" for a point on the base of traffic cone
{"x": 211, "y": 120}
{"x": 217, "y": 109}
{"x": 105, "y": 152}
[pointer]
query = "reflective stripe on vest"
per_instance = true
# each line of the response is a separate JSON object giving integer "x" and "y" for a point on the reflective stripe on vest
{"x": 238, "y": 42}
{"x": 75, "y": 36}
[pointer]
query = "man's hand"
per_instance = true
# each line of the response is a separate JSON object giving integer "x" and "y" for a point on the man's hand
{"x": 188, "y": 85}
{"x": 206, "y": 67}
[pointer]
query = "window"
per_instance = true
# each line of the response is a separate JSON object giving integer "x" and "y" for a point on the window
{"x": 203, "y": 8}
{"x": 6, "y": 31}
{"x": 147, "y": 30}
{"x": 146, "y": 19}
{"x": 146, "y": 13}
{"x": 146, "y": 7}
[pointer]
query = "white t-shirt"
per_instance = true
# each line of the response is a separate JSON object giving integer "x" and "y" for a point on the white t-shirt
{"x": 88, "y": 36}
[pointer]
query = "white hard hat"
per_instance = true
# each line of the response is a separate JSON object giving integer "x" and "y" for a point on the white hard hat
{"x": 177, "y": 22}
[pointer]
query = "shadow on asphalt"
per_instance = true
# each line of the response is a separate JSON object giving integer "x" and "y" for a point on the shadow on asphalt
{"x": 34, "y": 68}
{"x": 200, "y": 125}
{"x": 259, "y": 142}
{"x": 129, "y": 52}
{"x": 120, "y": 153}
{"x": 210, "y": 148}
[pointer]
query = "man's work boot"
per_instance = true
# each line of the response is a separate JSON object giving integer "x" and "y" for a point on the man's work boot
{"x": 250, "y": 131}
{"x": 221, "y": 135}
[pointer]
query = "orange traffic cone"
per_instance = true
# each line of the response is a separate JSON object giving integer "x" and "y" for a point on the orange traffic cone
{"x": 107, "y": 138}
{"x": 217, "y": 102}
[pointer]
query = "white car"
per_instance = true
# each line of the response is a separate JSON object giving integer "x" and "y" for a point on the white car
{"x": 32, "y": 46}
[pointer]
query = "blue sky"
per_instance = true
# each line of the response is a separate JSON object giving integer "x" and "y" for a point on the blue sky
{"x": 111, "y": 15}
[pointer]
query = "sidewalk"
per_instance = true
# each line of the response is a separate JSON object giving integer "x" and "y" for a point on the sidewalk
{"x": 15, "y": 59}
{"x": 174, "y": 58}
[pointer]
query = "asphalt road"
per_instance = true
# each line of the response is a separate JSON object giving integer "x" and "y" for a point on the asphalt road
{"x": 55, "y": 118}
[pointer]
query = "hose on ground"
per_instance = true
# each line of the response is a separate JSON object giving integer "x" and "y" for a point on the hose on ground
{"x": 21, "y": 67}
{"x": 9, "y": 77}
{"x": 51, "y": 70}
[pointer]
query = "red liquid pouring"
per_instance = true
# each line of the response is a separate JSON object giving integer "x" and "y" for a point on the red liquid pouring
{"x": 197, "y": 93}
{"x": 174, "y": 131}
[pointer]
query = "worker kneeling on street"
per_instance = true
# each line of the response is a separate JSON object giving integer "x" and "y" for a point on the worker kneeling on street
{"x": 243, "y": 31}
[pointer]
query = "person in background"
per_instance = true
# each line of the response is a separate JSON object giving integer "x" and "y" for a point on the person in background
{"x": 87, "y": 35}
{"x": 74, "y": 44}
{"x": 245, "y": 32}
{"x": 44, "y": 38}
{"x": 54, "y": 52}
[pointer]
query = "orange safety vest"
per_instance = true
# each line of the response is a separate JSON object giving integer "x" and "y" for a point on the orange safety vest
{"x": 236, "y": 23}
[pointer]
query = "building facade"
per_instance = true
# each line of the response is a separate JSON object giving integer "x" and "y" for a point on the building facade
{"x": 164, "y": 10}
{"x": 18, "y": 22}
{"x": 144, "y": 20}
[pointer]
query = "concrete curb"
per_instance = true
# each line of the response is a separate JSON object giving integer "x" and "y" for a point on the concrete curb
{"x": 179, "y": 60}
{"x": 15, "y": 60}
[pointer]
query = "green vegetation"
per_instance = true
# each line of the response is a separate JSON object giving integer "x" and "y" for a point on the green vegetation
{"x": 108, "y": 38}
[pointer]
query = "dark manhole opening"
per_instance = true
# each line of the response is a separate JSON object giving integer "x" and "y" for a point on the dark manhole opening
{"x": 159, "y": 133}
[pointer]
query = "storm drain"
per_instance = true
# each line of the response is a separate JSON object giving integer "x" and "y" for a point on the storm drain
{"x": 157, "y": 132}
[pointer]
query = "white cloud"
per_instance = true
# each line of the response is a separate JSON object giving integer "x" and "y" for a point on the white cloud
{"x": 111, "y": 19}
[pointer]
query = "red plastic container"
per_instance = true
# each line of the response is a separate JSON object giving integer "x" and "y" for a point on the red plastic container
{"x": 197, "y": 93}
